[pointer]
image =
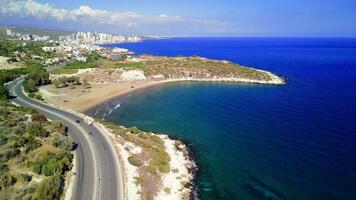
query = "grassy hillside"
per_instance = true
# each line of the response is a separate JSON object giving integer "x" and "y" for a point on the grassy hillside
{"x": 35, "y": 154}
{"x": 175, "y": 67}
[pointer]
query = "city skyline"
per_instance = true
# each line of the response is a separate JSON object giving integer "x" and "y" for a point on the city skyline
{"x": 208, "y": 18}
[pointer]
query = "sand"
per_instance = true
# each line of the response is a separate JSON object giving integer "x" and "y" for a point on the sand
{"x": 81, "y": 99}
{"x": 4, "y": 65}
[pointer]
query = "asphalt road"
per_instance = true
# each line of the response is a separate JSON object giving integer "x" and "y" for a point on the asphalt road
{"x": 98, "y": 174}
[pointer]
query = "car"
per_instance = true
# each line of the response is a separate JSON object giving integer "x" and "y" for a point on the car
{"x": 77, "y": 121}
{"x": 90, "y": 133}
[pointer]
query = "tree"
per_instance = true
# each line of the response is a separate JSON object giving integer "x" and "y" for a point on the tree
{"x": 30, "y": 85}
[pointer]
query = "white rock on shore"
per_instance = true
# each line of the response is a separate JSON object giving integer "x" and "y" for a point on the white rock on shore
{"x": 133, "y": 75}
{"x": 179, "y": 176}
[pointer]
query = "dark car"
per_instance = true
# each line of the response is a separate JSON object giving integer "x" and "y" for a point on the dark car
{"x": 77, "y": 121}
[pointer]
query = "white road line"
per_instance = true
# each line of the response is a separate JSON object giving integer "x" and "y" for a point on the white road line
{"x": 96, "y": 164}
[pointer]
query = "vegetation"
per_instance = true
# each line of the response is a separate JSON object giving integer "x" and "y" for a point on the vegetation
{"x": 80, "y": 65}
{"x": 135, "y": 161}
{"x": 92, "y": 57}
{"x": 197, "y": 67}
{"x": 64, "y": 71}
{"x": 11, "y": 74}
{"x": 152, "y": 162}
{"x": 6, "y": 76}
{"x": 24, "y": 50}
{"x": 32, "y": 146}
{"x": 179, "y": 67}
{"x": 94, "y": 60}
{"x": 130, "y": 66}
{"x": 66, "y": 81}
{"x": 36, "y": 77}
{"x": 50, "y": 188}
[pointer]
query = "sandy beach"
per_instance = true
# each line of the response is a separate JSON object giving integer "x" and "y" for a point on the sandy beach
{"x": 81, "y": 99}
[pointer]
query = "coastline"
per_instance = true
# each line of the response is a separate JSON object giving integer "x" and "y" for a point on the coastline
{"x": 172, "y": 175}
{"x": 103, "y": 99}
{"x": 177, "y": 184}
{"x": 114, "y": 90}
{"x": 176, "y": 149}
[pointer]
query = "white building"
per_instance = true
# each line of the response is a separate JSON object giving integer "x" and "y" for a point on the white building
{"x": 83, "y": 59}
{"x": 49, "y": 49}
{"x": 8, "y": 32}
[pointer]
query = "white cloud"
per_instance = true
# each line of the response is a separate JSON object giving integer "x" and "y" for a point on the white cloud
{"x": 86, "y": 15}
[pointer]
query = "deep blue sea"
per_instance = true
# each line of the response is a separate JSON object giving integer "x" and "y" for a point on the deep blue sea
{"x": 258, "y": 142}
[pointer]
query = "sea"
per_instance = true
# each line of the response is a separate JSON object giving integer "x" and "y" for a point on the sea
{"x": 257, "y": 142}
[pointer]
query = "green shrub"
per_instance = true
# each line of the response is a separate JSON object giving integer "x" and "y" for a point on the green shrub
{"x": 66, "y": 81}
{"x": 57, "y": 124}
{"x": 3, "y": 168}
{"x": 133, "y": 160}
{"x": 39, "y": 117}
{"x": 48, "y": 166}
{"x": 32, "y": 95}
{"x": 134, "y": 130}
{"x": 93, "y": 57}
{"x": 3, "y": 139}
{"x": 64, "y": 71}
{"x": 49, "y": 189}
{"x": 53, "y": 164}
{"x": 8, "y": 153}
{"x": 132, "y": 65}
{"x": 39, "y": 97}
{"x": 7, "y": 180}
{"x": 24, "y": 178}
{"x": 62, "y": 142}
{"x": 36, "y": 129}
{"x": 32, "y": 144}
{"x": 164, "y": 168}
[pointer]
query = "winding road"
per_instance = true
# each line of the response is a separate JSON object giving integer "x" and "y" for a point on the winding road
{"x": 98, "y": 174}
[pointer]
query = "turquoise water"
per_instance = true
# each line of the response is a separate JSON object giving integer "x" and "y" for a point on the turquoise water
{"x": 254, "y": 141}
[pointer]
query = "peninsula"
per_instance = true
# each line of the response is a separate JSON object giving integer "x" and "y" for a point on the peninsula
{"x": 106, "y": 78}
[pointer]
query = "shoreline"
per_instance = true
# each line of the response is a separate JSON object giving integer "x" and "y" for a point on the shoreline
{"x": 143, "y": 85}
{"x": 179, "y": 181}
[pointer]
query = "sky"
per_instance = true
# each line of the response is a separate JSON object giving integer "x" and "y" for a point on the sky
{"x": 245, "y": 18}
